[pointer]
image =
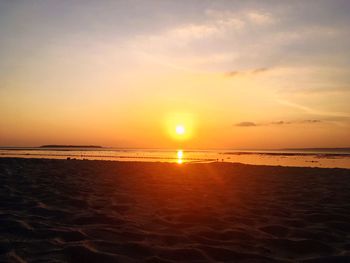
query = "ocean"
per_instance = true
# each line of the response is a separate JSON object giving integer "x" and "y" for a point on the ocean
{"x": 329, "y": 158}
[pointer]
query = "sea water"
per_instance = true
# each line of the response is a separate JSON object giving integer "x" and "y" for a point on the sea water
{"x": 303, "y": 158}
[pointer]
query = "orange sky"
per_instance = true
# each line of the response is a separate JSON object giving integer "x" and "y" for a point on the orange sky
{"x": 125, "y": 74}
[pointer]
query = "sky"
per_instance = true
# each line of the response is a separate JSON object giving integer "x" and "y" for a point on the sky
{"x": 234, "y": 74}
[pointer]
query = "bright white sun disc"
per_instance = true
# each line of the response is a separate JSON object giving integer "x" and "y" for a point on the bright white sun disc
{"x": 180, "y": 129}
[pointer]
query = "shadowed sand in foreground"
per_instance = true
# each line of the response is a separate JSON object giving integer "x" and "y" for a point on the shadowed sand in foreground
{"x": 102, "y": 211}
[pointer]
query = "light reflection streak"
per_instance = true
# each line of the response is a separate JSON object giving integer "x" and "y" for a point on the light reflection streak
{"x": 180, "y": 154}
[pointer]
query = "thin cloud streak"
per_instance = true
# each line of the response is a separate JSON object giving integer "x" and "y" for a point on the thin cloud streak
{"x": 256, "y": 71}
{"x": 279, "y": 123}
{"x": 246, "y": 124}
{"x": 313, "y": 111}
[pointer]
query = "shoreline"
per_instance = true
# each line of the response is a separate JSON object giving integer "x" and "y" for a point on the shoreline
{"x": 187, "y": 161}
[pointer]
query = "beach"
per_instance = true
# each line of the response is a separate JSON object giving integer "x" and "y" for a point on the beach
{"x": 107, "y": 211}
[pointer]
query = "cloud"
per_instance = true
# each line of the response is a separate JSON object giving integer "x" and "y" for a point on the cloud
{"x": 259, "y": 70}
{"x": 210, "y": 27}
{"x": 246, "y": 124}
{"x": 253, "y": 17}
{"x": 311, "y": 121}
{"x": 246, "y": 72}
{"x": 279, "y": 123}
{"x": 313, "y": 111}
{"x": 294, "y": 122}
{"x": 260, "y": 18}
{"x": 233, "y": 73}
{"x": 213, "y": 25}
{"x": 193, "y": 31}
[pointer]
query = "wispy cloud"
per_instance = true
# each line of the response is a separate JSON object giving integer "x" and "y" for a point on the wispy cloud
{"x": 253, "y": 17}
{"x": 246, "y": 124}
{"x": 311, "y": 121}
{"x": 214, "y": 25}
{"x": 277, "y": 123}
{"x": 260, "y": 18}
{"x": 310, "y": 110}
{"x": 293, "y": 122}
{"x": 236, "y": 73}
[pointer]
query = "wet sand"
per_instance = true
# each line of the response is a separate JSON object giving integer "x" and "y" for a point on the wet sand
{"x": 104, "y": 211}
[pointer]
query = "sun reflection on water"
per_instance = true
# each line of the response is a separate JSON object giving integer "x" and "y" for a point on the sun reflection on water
{"x": 180, "y": 154}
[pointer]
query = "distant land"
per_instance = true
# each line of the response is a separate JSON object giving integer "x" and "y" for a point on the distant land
{"x": 69, "y": 146}
{"x": 343, "y": 149}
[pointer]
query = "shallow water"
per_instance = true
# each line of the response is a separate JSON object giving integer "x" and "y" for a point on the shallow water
{"x": 278, "y": 157}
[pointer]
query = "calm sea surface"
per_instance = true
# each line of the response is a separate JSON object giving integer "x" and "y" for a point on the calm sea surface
{"x": 309, "y": 158}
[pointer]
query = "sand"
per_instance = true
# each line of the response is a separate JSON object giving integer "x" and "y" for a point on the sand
{"x": 103, "y": 211}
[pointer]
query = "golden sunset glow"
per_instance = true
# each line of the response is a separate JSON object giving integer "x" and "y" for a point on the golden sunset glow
{"x": 173, "y": 131}
{"x": 209, "y": 77}
{"x": 180, "y": 126}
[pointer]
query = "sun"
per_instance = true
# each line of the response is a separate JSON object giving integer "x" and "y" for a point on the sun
{"x": 179, "y": 126}
{"x": 180, "y": 129}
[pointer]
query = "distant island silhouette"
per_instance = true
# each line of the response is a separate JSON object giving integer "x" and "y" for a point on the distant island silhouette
{"x": 69, "y": 146}
{"x": 340, "y": 149}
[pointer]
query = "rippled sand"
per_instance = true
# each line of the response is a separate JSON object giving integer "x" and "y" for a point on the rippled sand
{"x": 101, "y": 211}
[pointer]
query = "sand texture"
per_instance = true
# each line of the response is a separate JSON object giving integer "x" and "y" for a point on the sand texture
{"x": 102, "y": 211}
